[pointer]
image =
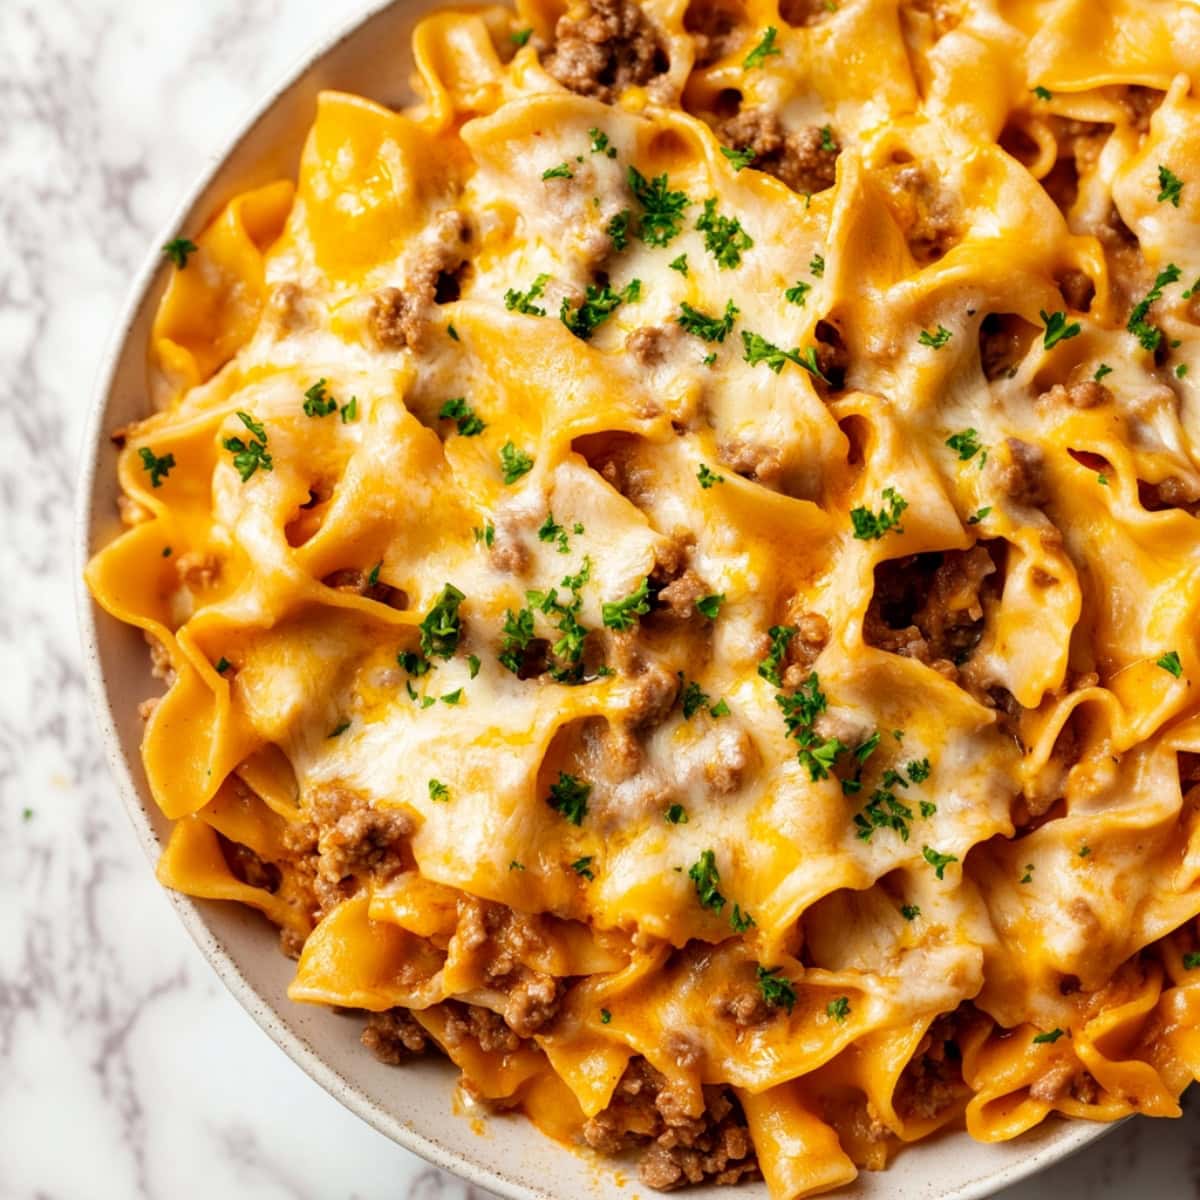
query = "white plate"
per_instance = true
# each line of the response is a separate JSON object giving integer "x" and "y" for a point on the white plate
{"x": 414, "y": 1104}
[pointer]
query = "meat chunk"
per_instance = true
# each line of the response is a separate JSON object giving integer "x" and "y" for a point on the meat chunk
{"x": 1085, "y": 394}
{"x": 932, "y": 1081}
{"x": 611, "y": 47}
{"x": 678, "y": 1148}
{"x": 680, "y": 595}
{"x": 393, "y": 1036}
{"x": 715, "y": 31}
{"x": 925, "y": 211}
{"x": 746, "y": 1008}
{"x": 651, "y": 344}
{"x": 751, "y": 460}
{"x": 395, "y": 319}
{"x": 805, "y": 159}
{"x": 930, "y": 606}
{"x": 1022, "y": 476}
{"x": 1077, "y": 290}
{"x": 197, "y": 570}
{"x": 488, "y": 1030}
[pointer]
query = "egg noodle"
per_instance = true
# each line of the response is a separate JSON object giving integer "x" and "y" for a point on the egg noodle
{"x": 675, "y": 564}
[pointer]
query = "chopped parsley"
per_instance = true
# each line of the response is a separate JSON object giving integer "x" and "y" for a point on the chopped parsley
{"x": 710, "y": 606}
{"x": 978, "y": 516}
{"x": 453, "y": 333}
{"x": 1084, "y": 850}
{"x": 1057, "y": 329}
{"x": 704, "y": 874}
{"x": 740, "y": 921}
{"x": 1102, "y": 370}
{"x": 965, "y": 444}
{"x": 1044, "y": 1039}
{"x": 927, "y": 809}
{"x": 350, "y": 410}
{"x": 1028, "y": 876}
{"x": 518, "y": 633}
{"x": 739, "y": 158}
{"x": 248, "y": 457}
{"x": 708, "y": 477}
{"x": 338, "y": 729}
{"x": 776, "y": 991}
{"x": 781, "y": 636}
{"x": 910, "y": 912}
{"x": 1191, "y": 960}
{"x": 158, "y": 466}
{"x": 618, "y": 229}
{"x": 798, "y": 292}
{"x": 599, "y": 304}
{"x": 521, "y": 36}
{"x": 679, "y": 264}
{"x": 605, "y": 1016}
{"x": 710, "y": 329}
{"x": 523, "y": 302}
{"x": 763, "y": 50}
{"x": 222, "y": 665}
{"x": 838, "y": 1009}
{"x": 569, "y": 797}
{"x": 462, "y": 414}
{"x": 1150, "y": 335}
{"x": 694, "y": 699}
{"x": 438, "y": 790}
{"x": 413, "y": 663}
{"x": 562, "y": 171}
{"x": 485, "y": 534}
{"x": 623, "y": 614}
{"x": 452, "y": 697}
{"x": 1170, "y": 186}
{"x": 662, "y": 209}
{"x": 1170, "y": 663}
{"x": 441, "y": 627}
{"x": 935, "y": 340}
{"x": 758, "y": 350}
{"x": 817, "y": 265}
{"x": 827, "y": 142}
{"x": 551, "y": 531}
{"x": 1043, "y": 93}
{"x": 919, "y": 771}
{"x": 871, "y": 526}
{"x": 178, "y": 249}
{"x": 600, "y": 143}
{"x": 318, "y": 402}
{"x": 514, "y": 463}
{"x": 583, "y": 867}
{"x": 724, "y": 237}
{"x": 939, "y": 862}
{"x": 800, "y": 711}
{"x": 473, "y": 664}
{"x": 675, "y": 815}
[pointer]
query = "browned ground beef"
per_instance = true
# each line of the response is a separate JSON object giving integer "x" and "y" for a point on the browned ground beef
{"x": 248, "y": 867}
{"x": 715, "y": 31}
{"x": 752, "y": 460}
{"x": 805, "y": 159}
{"x": 393, "y": 1036}
{"x": 1085, "y": 394}
{"x": 676, "y": 1149}
{"x": 1023, "y": 475}
{"x": 395, "y": 319}
{"x": 932, "y": 1081}
{"x": 651, "y": 344}
{"x": 1172, "y": 492}
{"x": 613, "y": 47}
{"x": 1077, "y": 289}
{"x": 930, "y": 606}
{"x": 924, "y": 210}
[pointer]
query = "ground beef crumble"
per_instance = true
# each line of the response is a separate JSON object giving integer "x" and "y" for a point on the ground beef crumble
{"x": 611, "y": 47}
{"x": 676, "y": 1149}
{"x": 805, "y": 159}
{"x": 393, "y": 1036}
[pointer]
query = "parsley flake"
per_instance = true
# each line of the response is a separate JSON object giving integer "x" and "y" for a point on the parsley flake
{"x": 1191, "y": 960}
{"x": 662, "y": 209}
{"x": 1150, "y": 335}
{"x": 740, "y": 159}
{"x": 623, "y": 614}
{"x": 158, "y": 466}
{"x": 724, "y": 237}
{"x": 764, "y": 49}
{"x": 704, "y": 874}
{"x": 781, "y": 636}
{"x": 679, "y": 264}
{"x": 600, "y": 143}
{"x": 938, "y": 861}
{"x": 935, "y": 340}
{"x": 871, "y": 526}
{"x": 1043, "y": 93}
{"x": 583, "y": 867}
{"x": 514, "y": 463}
{"x": 562, "y": 171}
{"x": 521, "y": 36}
{"x": 248, "y": 457}
{"x": 798, "y": 292}
{"x": 910, "y": 912}
{"x": 740, "y": 921}
{"x": 838, "y": 1009}
{"x": 599, "y": 304}
{"x": 1170, "y": 663}
{"x": 776, "y": 991}
{"x": 438, "y": 791}
{"x": 710, "y": 606}
{"x": 708, "y": 477}
{"x": 675, "y": 815}
{"x": 318, "y": 402}
{"x": 1170, "y": 186}
{"x": 441, "y": 628}
{"x": 569, "y": 797}
{"x": 178, "y": 250}
{"x": 1057, "y": 329}
{"x": 710, "y": 329}
{"x": 1047, "y": 1039}
{"x": 523, "y": 302}
{"x": 461, "y": 413}
{"x": 817, "y": 265}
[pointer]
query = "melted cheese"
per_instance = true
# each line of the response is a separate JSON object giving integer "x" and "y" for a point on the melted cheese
{"x": 1039, "y": 880}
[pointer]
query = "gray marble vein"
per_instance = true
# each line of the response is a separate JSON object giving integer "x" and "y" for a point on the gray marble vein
{"x": 125, "y": 1069}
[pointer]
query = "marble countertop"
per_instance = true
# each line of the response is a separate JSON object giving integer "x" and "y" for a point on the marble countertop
{"x": 125, "y": 1069}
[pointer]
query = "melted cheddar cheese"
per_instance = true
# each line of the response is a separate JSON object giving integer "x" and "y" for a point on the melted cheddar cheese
{"x": 684, "y": 539}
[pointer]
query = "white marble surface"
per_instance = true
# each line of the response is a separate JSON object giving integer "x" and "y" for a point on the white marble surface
{"x": 125, "y": 1069}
